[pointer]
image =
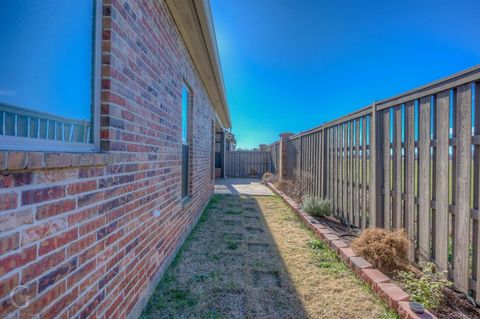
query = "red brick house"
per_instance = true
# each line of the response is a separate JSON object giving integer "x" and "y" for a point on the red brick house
{"x": 98, "y": 194}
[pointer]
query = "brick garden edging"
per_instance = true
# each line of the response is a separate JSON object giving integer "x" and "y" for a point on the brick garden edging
{"x": 381, "y": 284}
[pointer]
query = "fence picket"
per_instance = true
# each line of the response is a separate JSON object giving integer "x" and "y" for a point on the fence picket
{"x": 357, "y": 173}
{"x": 397, "y": 169}
{"x": 350, "y": 173}
{"x": 410, "y": 207}
{"x": 375, "y": 172}
{"x": 344, "y": 170}
{"x": 364, "y": 173}
{"x": 441, "y": 179}
{"x": 463, "y": 135}
{"x": 386, "y": 218}
{"x": 424, "y": 179}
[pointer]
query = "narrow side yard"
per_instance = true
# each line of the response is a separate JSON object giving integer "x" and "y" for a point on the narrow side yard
{"x": 251, "y": 257}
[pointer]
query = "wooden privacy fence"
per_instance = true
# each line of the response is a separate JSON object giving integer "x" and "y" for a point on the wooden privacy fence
{"x": 411, "y": 161}
{"x": 247, "y": 163}
{"x": 275, "y": 156}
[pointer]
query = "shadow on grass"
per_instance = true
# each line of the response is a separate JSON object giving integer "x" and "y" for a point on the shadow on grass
{"x": 229, "y": 267}
{"x": 239, "y": 262}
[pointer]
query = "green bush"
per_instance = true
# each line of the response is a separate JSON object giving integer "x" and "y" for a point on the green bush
{"x": 316, "y": 206}
{"x": 426, "y": 287}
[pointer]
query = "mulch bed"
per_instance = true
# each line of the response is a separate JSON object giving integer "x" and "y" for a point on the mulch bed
{"x": 347, "y": 233}
{"x": 456, "y": 306}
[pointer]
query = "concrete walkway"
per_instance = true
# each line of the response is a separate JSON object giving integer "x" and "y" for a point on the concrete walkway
{"x": 241, "y": 186}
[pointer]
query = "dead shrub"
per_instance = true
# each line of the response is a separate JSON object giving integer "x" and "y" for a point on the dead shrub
{"x": 285, "y": 185}
{"x": 297, "y": 186}
{"x": 269, "y": 178}
{"x": 386, "y": 250}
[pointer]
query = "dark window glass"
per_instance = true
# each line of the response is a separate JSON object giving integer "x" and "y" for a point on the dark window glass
{"x": 46, "y": 63}
{"x": 185, "y": 140}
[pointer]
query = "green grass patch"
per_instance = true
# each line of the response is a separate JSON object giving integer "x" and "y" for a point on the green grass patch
{"x": 231, "y": 244}
{"x": 326, "y": 258}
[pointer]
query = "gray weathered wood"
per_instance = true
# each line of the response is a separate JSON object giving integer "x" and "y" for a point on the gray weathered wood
{"x": 375, "y": 156}
{"x": 441, "y": 179}
{"x": 462, "y": 199}
{"x": 452, "y": 81}
{"x": 476, "y": 197}
{"x": 410, "y": 209}
{"x": 345, "y": 172}
{"x": 329, "y": 171}
{"x": 364, "y": 173}
{"x": 397, "y": 169}
{"x": 340, "y": 170}
{"x": 387, "y": 221}
{"x": 246, "y": 163}
{"x": 422, "y": 186}
{"x": 350, "y": 173}
{"x": 357, "y": 173}
{"x": 424, "y": 179}
{"x": 335, "y": 169}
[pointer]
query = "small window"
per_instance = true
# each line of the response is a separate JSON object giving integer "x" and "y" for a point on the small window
{"x": 212, "y": 143}
{"x": 185, "y": 140}
{"x": 47, "y": 81}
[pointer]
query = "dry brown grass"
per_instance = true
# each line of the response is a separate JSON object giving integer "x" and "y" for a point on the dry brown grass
{"x": 386, "y": 250}
{"x": 240, "y": 262}
{"x": 326, "y": 287}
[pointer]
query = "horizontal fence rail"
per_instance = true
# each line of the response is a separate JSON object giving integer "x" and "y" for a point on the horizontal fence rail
{"x": 247, "y": 163}
{"x": 411, "y": 162}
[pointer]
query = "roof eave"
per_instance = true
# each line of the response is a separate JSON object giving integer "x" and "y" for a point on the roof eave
{"x": 194, "y": 20}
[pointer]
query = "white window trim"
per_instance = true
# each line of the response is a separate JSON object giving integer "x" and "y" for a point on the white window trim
{"x": 17, "y": 143}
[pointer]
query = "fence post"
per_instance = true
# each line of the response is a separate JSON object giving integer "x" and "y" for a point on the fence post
{"x": 283, "y": 161}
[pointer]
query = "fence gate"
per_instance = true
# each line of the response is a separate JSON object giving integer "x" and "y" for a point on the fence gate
{"x": 247, "y": 163}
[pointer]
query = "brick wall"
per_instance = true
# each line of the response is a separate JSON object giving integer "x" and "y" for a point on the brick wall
{"x": 78, "y": 230}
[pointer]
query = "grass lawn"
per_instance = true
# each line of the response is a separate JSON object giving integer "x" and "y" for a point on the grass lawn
{"x": 251, "y": 257}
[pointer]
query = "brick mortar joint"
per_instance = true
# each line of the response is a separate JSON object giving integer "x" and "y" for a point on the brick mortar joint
{"x": 398, "y": 309}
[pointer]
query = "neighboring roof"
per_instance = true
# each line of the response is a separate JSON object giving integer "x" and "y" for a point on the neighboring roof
{"x": 194, "y": 20}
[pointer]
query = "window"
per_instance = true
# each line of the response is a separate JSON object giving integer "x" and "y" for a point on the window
{"x": 212, "y": 163}
{"x": 185, "y": 140}
{"x": 47, "y": 82}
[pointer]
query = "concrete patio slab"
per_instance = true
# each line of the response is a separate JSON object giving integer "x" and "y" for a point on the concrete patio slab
{"x": 241, "y": 186}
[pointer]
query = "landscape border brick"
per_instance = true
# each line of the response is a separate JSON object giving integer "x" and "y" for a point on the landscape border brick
{"x": 380, "y": 283}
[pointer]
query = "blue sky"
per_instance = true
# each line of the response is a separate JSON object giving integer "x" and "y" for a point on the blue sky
{"x": 46, "y": 56}
{"x": 289, "y": 65}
